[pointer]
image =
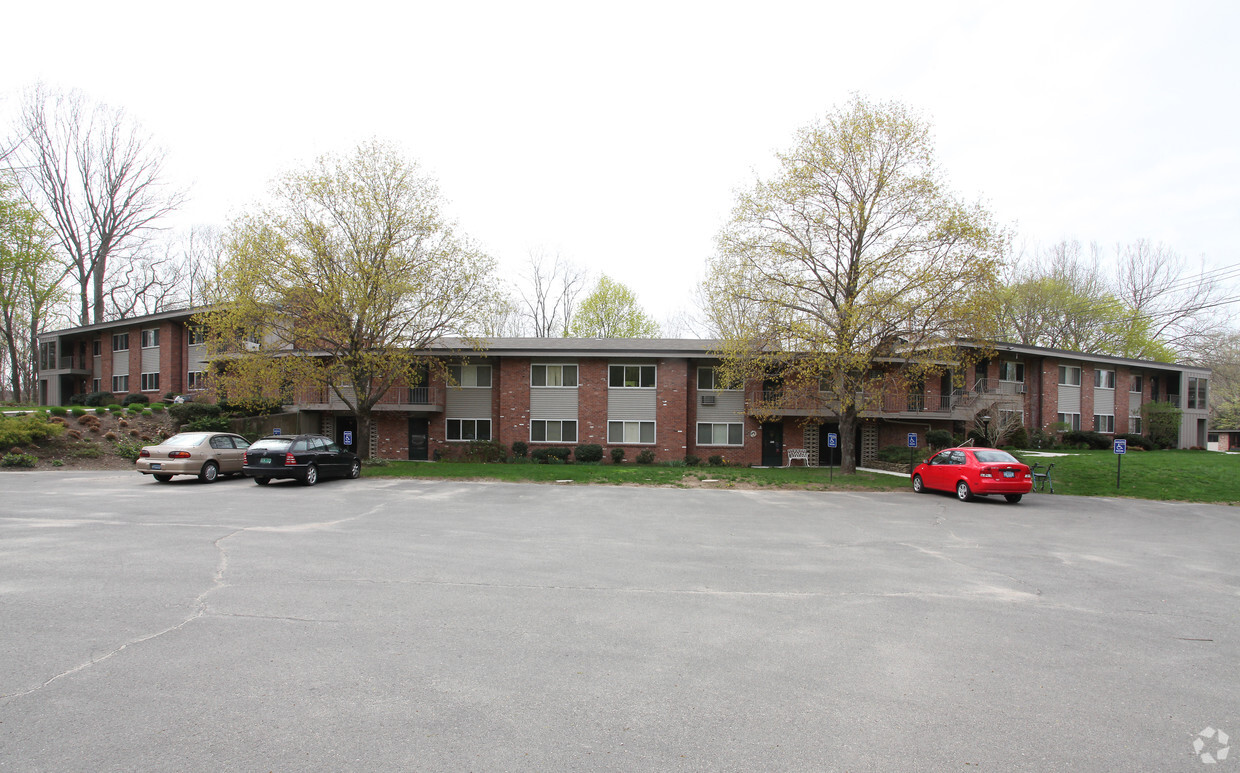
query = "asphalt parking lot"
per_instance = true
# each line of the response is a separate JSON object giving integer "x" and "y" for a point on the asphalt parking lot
{"x": 449, "y": 626}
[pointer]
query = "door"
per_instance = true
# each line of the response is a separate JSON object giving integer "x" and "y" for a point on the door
{"x": 419, "y": 445}
{"x": 347, "y": 424}
{"x": 827, "y": 456}
{"x": 772, "y": 445}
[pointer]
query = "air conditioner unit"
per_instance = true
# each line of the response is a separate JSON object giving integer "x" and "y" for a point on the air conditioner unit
{"x": 708, "y": 399}
{"x": 1020, "y": 389}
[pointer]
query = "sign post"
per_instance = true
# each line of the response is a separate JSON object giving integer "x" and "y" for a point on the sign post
{"x": 912, "y": 450}
{"x": 832, "y": 441}
{"x": 1120, "y": 448}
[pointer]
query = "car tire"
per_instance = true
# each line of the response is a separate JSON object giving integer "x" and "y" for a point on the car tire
{"x": 355, "y": 471}
{"x": 162, "y": 478}
{"x": 1012, "y": 498}
{"x": 210, "y": 472}
{"x": 919, "y": 487}
{"x": 262, "y": 481}
{"x": 963, "y": 493}
{"x": 312, "y": 476}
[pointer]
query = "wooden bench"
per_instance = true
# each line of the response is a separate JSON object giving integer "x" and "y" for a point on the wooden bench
{"x": 798, "y": 453}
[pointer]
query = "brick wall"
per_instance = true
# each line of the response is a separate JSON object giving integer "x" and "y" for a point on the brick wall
{"x": 1050, "y": 393}
{"x": 393, "y": 434}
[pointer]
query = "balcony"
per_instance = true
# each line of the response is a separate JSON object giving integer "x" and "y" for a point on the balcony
{"x": 960, "y": 404}
{"x": 81, "y": 366}
{"x": 426, "y": 399}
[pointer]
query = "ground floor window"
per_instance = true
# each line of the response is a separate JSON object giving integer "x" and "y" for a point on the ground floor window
{"x": 1073, "y": 420}
{"x": 196, "y": 379}
{"x": 150, "y": 382}
{"x": 720, "y": 434}
{"x": 630, "y": 432}
{"x": 96, "y": 384}
{"x": 120, "y": 383}
{"x": 469, "y": 429}
{"x": 557, "y": 431}
{"x": 1134, "y": 425}
{"x": 1104, "y": 423}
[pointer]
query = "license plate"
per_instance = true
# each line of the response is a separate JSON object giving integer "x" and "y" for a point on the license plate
{"x": 156, "y": 466}
{"x": 1009, "y": 473}
{"x": 264, "y": 460}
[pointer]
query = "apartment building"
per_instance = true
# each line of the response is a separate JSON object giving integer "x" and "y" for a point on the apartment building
{"x": 661, "y": 395}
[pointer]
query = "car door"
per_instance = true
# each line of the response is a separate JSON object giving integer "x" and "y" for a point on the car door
{"x": 236, "y": 456}
{"x": 339, "y": 458}
{"x": 222, "y": 452}
{"x": 932, "y": 474}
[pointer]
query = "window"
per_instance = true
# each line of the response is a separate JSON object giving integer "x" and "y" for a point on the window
{"x": 1073, "y": 420}
{"x": 630, "y": 431}
{"x": 553, "y": 431}
{"x": 196, "y": 379}
{"x": 150, "y": 338}
{"x": 1134, "y": 425}
{"x": 1104, "y": 423}
{"x": 1010, "y": 370}
{"x": 1069, "y": 375}
{"x": 150, "y": 382}
{"x": 120, "y": 342}
{"x": 708, "y": 378}
{"x": 197, "y": 336}
{"x": 631, "y": 376}
{"x": 1196, "y": 394}
{"x": 472, "y": 376}
{"x": 1104, "y": 379}
{"x": 96, "y": 348}
{"x": 120, "y": 383}
{"x": 96, "y": 384}
{"x": 469, "y": 429}
{"x": 47, "y": 356}
{"x": 720, "y": 434}
{"x": 553, "y": 375}
{"x": 1137, "y": 384}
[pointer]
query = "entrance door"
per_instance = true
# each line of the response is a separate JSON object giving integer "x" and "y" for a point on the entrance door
{"x": 419, "y": 446}
{"x": 347, "y": 424}
{"x": 827, "y": 456}
{"x": 772, "y": 445}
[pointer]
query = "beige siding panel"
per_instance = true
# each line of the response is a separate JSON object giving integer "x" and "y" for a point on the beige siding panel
{"x": 150, "y": 360}
{"x": 1069, "y": 399}
{"x": 120, "y": 363}
{"x": 1134, "y": 403}
{"x": 553, "y": 403}
{"x": 197, "y": 357}
{"x": 728, "y": 407}
{"x": 468, "y": 404}
{"x": 630, "y": 404}
{"x": 97, "y": 366}
{"x": 1104, "y": 402}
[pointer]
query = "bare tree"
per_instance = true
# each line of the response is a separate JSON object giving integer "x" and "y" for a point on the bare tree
{"x": 97, "y": 180}
{"x": 549, "y": 298}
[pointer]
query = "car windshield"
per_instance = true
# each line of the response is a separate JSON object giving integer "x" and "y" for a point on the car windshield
{"x": 992, "y": 457}
{"x": 271, "y": 444}
{"x": 185, "y": 439}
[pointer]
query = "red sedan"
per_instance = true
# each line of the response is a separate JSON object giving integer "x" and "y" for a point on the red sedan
{"x": 972, "y": 471}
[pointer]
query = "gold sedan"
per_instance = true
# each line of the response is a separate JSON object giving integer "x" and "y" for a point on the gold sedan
{"x": 207, "y": 455}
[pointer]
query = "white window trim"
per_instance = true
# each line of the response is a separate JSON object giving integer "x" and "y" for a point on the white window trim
{"x": 490, "y": 428}
{"x": 1068, "y": 420}
{"x": 189, "y": 379}
{"x": 639, "y": 422}
{"x": 561, "y": 422}
{"x": 154, "y": 335}
{"x": 1070, "y": 368}
{"x": 115, "y": 336}
{"x": 142, "y": 379}
{"x": 1098, "y": 377}
{"x": 712, "y": 424}
{"x": 713, "y": 380}
{"x": 555, "y": 365}
{"x": 1110, "y": 431}
{"x": 125, "y": 388}
{"x": 459, "y": 385}
{"x": 652, "y": 365}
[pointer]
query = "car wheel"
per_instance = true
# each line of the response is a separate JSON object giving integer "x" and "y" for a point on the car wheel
{"x": 962, "y": 491}
{"x": 312, "y": 475}
{"x": 210, "y": 471}
{"x": 262, "y": 481}
{"x": 356, "y": 470}
{"x": 1012, "y": 498}
{"x": 162, "y": 478}
{"x": 918, "y": 486}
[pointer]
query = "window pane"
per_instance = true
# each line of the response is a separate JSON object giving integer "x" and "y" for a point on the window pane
{"x": 457, "y": 374}
{"x": 615, "y": 376}
{"x": 647, "y": 432}
{"x": 538, "y": 431}
{"x": 736, "y": 434}
{"x": 554, "y": 432}
{"x": 647, "y": 375}
{"x": 538, "y": 375}
{"x": 484, "y": 428}
{"x": 484, "y": 375}
{"x": 454, "y": 429}
{"x": 704, "y": 437}
{"x": 570, "y": 431}
{"x": 706, "y": 378}
{"x": 555, "y": 376}
{"x": 570, "y": 375}
{"x": 615, "y": 432}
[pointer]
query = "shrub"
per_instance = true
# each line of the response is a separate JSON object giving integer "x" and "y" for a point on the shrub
{"x": 553, "y": 455}
{"x": 1080, "y": 438}
{"x": 78, "y": 411}
{"x": 1040, "y": 439}
{"x": 101, "y": 411}
{"x": 897, "y": 454}
{"x": 939, "y": 438}
{"x": 96, "y": 399}
{"x": 1137, "y": 441}
{"x": 23, "y": 430}
{"x": 136, "y": 398}
{"x": 588, "y": 453}
{"x": 114, "y": 408}
{"x": 128, "y": 449}
{"x": 255, "y": 408}
{"x": 76, "y": 399}
{"x": 715, "y": 460}
{"x": 1162, "y": 421}
{"x": 86, "y": 451}
{"x": 520, "y": 449}
{"x": 58, "y": 410}
{"x": 184, "y": 413}
{"x": 147, "y": 412}
{"x": 645, "y": 457}
{"x": 18, "y": 460}
{"x": 58, "y": 463}
{"x": 122, "y": 423}
{"x": 485, "y": 451}
{"x": 110, "y": 436}
{"x": 692, "y": 461}
{"x": 617, "y": 456}
{"x": 75, "y": 434}
{"x": 207, "y": 424}
{"x": 1019, "y": 438}
{"x": 158, "y": 408}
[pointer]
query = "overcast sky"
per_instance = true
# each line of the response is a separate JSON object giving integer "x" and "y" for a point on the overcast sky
{"x": 617, "y": 135}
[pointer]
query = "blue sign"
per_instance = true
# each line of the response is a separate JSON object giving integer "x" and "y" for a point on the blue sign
{"x": 912, "y": 440}
{"x": 275, "y": 431}
{"x": 348, "y": 437}
{"x": 1121, "y": 446}
{"x": 832, "y": 439}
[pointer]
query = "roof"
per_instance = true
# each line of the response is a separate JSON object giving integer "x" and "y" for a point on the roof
{"x": 127, "y": 322}
{"x": 584, "y": 347}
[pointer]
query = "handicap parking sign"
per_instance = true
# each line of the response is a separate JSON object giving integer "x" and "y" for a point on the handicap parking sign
{"x": 348, "y": 437}
{"x": 832, "y": 439}
{"x": 1121, "y": 446}
{"x": 912, "y": 440}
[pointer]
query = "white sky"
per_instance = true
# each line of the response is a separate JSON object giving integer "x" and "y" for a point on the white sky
{"x": 616, "y": 135}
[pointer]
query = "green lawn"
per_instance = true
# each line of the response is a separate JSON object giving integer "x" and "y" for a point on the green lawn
{"x": 816, "y": 479}
{"x": 1189, "y": 476}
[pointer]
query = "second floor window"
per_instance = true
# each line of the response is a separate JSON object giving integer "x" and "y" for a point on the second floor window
{"x": 150, "y": 338}
{"x": 1104, "y": 379}
{"x": 120, "y": 342}
{"x": 474, "y": 376}
{"x": 708, "y": 378}
{"x": 553, "y": 375}
{"x": 1137, "y": 384}
{"x": 1196, "y": 394}
{"x": 631, "y": 376}
{"x": 1010, "y": 370}
{"x": 1069, "y": 375}
{"x": 197, "y": 336}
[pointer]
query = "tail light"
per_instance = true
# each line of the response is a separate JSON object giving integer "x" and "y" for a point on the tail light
{"x": 144, "y": 453}
{"x": 245, "y": 458}
{"x": 289, "y": 460}
{"x": 179, "y": 455}
{"x": 987, "y": 472}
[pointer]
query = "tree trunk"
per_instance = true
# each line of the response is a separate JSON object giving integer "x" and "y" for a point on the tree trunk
{"x": 364, "y": 428}
{"x": 848, "y": 439}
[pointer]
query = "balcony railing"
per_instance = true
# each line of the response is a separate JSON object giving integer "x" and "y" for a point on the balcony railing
{"x": 958, "y": 403}
{"x": 396, "y": 398}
